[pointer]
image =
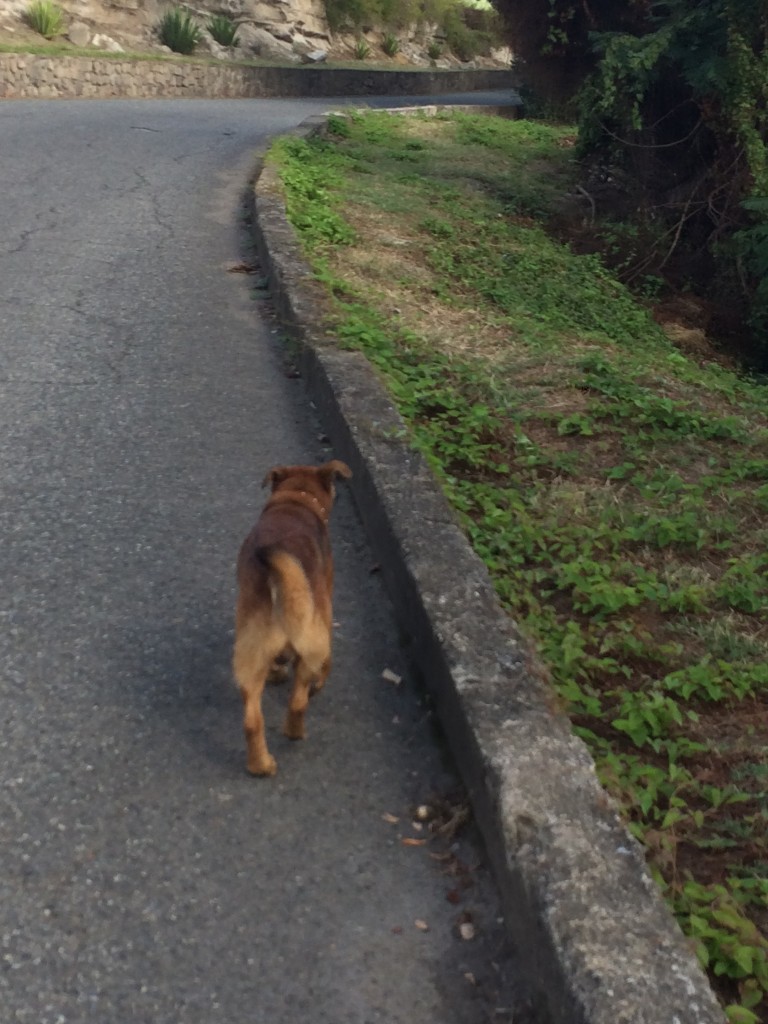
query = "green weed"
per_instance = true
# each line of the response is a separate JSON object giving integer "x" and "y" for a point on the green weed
{"x": 45, "y": 17}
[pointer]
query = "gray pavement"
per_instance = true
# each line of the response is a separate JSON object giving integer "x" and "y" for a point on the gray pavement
{"x": 144, "y": 877}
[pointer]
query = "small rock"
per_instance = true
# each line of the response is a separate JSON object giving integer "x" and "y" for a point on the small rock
{"x": 102, "y": 42}
{"x": 79, "y": 34}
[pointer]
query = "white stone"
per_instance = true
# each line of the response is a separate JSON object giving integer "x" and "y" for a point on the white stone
{"x": 314, "y": 57}
{"x": 102, "y": 42}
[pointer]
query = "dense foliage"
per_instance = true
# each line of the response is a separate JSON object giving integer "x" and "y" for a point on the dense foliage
{"x": 674, "y": 96}
{"x": 469, "y": 32}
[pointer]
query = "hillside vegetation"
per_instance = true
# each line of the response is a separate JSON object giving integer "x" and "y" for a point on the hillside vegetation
{"x": 615, "y": 486}
{"x": 381, "y": 32}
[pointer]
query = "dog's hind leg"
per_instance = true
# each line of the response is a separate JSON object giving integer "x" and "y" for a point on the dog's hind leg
{"x": 319, "y": 682}
{"x": 259, "y": 759}
{"x": 251, "y": 668}
{"x": 311, "y": 672}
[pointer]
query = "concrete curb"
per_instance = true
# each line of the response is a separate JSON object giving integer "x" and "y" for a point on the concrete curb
{"x": 600, "y": 944}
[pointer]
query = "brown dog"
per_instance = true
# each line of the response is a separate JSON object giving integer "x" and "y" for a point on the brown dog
{"x": 285, "y": 581}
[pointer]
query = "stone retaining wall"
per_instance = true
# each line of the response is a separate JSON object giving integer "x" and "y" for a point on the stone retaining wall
{"x": 24, "y": 75}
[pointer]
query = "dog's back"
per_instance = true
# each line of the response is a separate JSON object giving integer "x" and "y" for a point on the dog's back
{"x": 286, "y": 561}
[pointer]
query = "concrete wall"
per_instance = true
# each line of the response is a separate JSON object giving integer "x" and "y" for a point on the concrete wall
{"x": 25, "y": 75}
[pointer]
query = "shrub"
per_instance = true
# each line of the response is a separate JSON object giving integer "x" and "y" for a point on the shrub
{"x": 398, "y": 13}
{"x": 390, "y": 45}
{"x": 222, "y": 30}
{"x": 464, "y": 42}
{"x": 45, "y": 17}
{"x": 344, "y": 13}
{"x": 434, "y": 50}
{"x": 178, "y": 31}
{"x": 362, "y": 50}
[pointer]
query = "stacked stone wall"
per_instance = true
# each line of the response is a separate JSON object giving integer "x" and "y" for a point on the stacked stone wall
{"x": 24, "y": 75}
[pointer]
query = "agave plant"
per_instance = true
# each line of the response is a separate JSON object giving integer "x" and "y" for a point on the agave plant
{"x": 179, "y": 31}
{"x": 222, "y": 30}
{"x": 390, "y": 44}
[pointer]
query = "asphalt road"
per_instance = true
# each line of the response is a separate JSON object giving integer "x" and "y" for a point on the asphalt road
{"x": 144, "y": 877}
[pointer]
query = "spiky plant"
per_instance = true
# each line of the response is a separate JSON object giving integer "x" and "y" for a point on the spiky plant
{"x": 223, "y": 30}
{"x": 179, "y": 31}
{"x": 45, "y": 17}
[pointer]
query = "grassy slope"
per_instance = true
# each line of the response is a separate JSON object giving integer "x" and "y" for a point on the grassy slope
{"x": 616, "y": 489}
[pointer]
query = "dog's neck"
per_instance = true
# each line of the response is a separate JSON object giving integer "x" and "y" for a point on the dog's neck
{"x": 302, "y": 498}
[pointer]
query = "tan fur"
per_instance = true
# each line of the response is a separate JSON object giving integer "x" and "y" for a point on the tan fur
{"x": 284, "y": 611}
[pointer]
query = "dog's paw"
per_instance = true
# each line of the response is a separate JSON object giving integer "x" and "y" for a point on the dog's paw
{"x": 268, "y": 767}
{"x": 294, "y": 727}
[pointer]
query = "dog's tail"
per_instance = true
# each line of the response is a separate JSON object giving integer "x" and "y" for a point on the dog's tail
{"x": 289, "y": 587}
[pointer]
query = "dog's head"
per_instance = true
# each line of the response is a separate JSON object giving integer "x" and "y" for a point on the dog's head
{"x": 316, "y": 480}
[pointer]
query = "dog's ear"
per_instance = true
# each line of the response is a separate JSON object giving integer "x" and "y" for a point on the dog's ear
{"x": 331, "y": 470}
{"x": 274, "y": 476}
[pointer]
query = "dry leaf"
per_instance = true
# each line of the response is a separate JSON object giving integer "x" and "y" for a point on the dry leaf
{"x": 467, "y": 930}
{"x": 413, "y": 842}
{"x": 423, "y": 812}
{"x": 242, "y": 268}
{"x": 391, "y": 677}
{"x": 417, "y": 826}
{"x": 470, "y": 977}
{"x": 391, "y": 819}
{"x": 421, "y": 925}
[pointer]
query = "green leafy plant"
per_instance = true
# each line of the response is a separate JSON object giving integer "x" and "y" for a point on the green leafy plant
{"x": 179, "y": 31}
{"x": 45, "y": 17}
{"x": 390, "y": 44}
{"x": 615, "y": 489}
{"x": 222, "y": 29}
{"x": 434, "y": 50}
{"x": 362, "y": 50}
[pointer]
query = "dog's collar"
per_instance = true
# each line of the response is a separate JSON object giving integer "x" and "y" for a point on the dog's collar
{"x": 322, "y": 512}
